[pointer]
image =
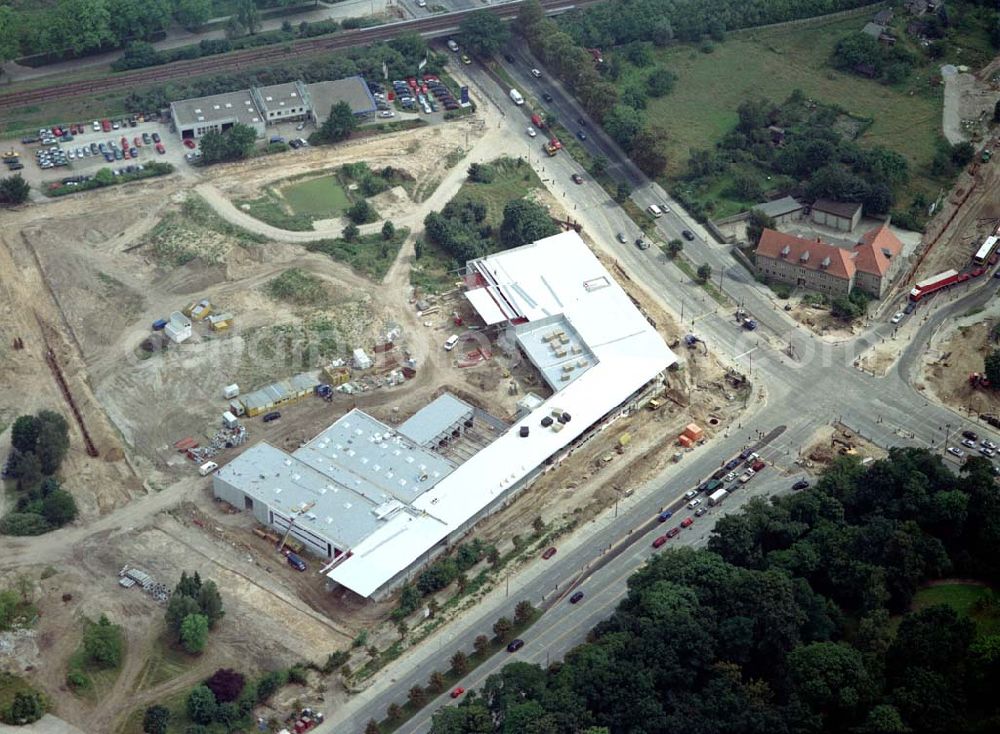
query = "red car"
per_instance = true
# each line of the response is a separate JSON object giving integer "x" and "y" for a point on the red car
{"x": 686, "y": 522}
{"x": 125, "y": 142}
{"x": 672, "y": 533}
{"x": 57, "y": 131}
{"x": 757, "y": 466}
{"x": 549, "y": 552}
{"x": 160, "y": 149}
{"x": 977, "y": 272}
{"x": 106, "y": 125}
{"x": 189, "y": 143}
{"x": 457, "y": 692}
{"x": 659, "y": 541}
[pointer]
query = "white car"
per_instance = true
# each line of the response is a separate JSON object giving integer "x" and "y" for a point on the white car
{"x": 97, "y": 126}
{"x": 897, "y": 318}
{"x": 987, "y": 452}
{"x": 421, "y": 3}
{"x": 451, "y": 342}
{"x": 386, "y": 113}
{"x": 989, "y": 444}
{"x": 968, "y": 443}
{"x": 693, "y": 503}
{"x": 536, "y": 73}
{"x": 731, "y": 476}
{"x": 531, "y": 132}
{"x": 691, "y": 494}
{"x": 956, "y": 452}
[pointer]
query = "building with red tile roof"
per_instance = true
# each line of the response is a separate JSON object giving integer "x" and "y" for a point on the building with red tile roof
{"x": 818, "y": 266}
{"x": 877, "y": 260}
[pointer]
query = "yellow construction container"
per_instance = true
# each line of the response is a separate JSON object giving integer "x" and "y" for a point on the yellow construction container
{"x": 201, "y": 310}
{"x": 336, "y": 375}
{"x": 220, "y": 322}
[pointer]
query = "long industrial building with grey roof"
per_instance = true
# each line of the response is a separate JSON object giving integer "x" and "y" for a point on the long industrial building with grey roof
{"x": 380, "y": 501}
{"x": 259, "y": 107}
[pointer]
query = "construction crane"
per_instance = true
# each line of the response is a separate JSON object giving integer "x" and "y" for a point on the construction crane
{"x": 291, "y": 521}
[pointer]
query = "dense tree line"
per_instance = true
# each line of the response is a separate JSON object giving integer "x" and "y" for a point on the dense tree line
{"x": 39, "y": 444}
{"x": 661, "y": 21}
{"x": 783, "y": 623}
{"x": 77, "y": 27}
{"x": 820, "y": 161}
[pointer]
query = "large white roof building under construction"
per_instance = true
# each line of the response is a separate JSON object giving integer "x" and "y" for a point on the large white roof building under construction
{"x": 580, "y": 329}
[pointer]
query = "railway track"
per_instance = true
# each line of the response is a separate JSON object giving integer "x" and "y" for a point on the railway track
{"x": 430, "y": 27}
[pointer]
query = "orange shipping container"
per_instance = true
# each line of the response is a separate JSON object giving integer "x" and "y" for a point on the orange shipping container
{"x": 685, "y": 441}
{"x": 694, "y": 432}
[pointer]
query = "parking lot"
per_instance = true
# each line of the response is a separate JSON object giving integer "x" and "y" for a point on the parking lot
{"x": 83, "y": 154}
{"x": 80, "y": 149}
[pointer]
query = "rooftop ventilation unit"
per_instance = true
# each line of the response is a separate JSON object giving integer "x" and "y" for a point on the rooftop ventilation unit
{"x": 785, "y": 251}
{"x": 825, "y": 263}
{"x": 804, "y": 257}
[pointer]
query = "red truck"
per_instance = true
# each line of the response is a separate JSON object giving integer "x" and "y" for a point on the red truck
{"x": 931, "y": 285}
{"x": 538, "y": 122}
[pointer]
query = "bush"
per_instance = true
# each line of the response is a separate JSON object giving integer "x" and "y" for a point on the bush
{"x": 482, "y": 173}
{"x": 297, "y": 675}
{"x": 226, "y": 684}
{"x": 361, "y": 212}
{"x": 24, "y": 523}
{"x": 77, "y": 680}
{"x": 103, "y": 643}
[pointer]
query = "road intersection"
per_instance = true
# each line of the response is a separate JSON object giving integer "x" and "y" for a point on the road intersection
{"x": 799, "y": 394}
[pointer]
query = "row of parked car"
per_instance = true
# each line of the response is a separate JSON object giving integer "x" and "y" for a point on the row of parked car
{"x": 426, "y": 94}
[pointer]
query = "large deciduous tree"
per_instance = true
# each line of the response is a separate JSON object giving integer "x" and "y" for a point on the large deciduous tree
{"x": 483, "y": 33}
{"x": 339, "y": 124}
{"x": 525, "y": 221}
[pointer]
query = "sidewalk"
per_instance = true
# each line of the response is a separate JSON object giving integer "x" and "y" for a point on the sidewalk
{"x": 177, "y": 36}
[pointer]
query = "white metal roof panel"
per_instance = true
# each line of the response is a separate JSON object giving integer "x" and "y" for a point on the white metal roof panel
{"x": 556, "y": 275}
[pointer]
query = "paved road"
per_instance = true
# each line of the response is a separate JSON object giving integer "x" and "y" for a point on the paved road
{"x": 818, "y": 385}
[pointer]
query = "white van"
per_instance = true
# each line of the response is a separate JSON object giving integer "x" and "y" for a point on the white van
{"x": 655, "y": 210}
{"x": 451, "y": 342}
{"x": 516, "y": 96}
{"x": 452, "y": 45}
{"x": 207, "y": 468}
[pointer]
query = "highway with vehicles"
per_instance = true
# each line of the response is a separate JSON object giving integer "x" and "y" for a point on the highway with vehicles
{"x": 801, "y": 384}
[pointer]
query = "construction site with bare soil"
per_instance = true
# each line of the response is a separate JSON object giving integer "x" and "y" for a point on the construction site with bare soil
{"x": 232, "y": 303}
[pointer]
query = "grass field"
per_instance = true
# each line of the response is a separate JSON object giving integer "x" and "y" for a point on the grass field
{"x": 773, "y": 63}
{"x": 164, "y": 663}
{"x": 321, "y": 198}
{"x": 513, "y": 181}
{"x": 370, "y": 255}
{"x": 963, "y": 599}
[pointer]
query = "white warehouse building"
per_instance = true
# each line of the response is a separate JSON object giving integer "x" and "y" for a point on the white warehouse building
{"x": 380, "y": 502}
